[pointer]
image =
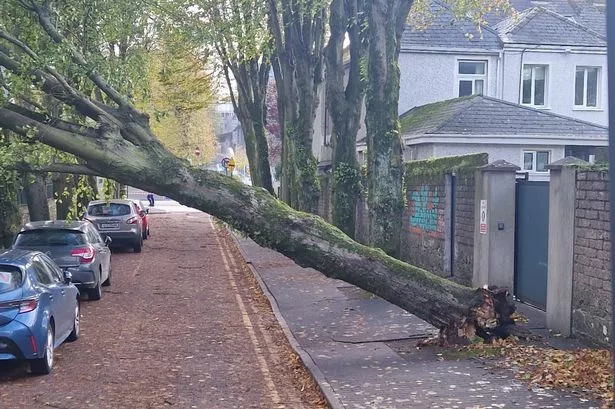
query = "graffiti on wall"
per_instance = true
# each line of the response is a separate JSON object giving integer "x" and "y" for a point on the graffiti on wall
{"x": 425, "y": 202}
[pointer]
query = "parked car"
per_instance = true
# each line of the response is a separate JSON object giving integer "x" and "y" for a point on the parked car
{"x": 75, "y": 246}
{"x": 39, "y": 308}
{"x": 143, "y": 212}
{"x": 118, "y": 219}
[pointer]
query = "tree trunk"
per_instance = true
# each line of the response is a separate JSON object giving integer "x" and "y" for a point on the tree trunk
{"x": 298, "y": 38}
{"x": 36, "y": 194}
{"x": 62, "y": 182}
{"x": 384, "y": 147}
{"x": 344, "y": 104}
{"x": 10, "y": 218}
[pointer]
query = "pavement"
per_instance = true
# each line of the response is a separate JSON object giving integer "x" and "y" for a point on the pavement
{"x": 362, "y": 350}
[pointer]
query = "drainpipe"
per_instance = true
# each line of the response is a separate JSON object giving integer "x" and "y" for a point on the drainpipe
{"x": 519, "y": 100}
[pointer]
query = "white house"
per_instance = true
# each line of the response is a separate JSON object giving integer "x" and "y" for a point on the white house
{"x": 522, "y": 135}
{"x": 551, "y": 56}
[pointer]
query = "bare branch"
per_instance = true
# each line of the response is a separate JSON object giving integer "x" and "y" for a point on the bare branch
{"x": 54, "y": 122}
{"x": 56, "y": 168}
{"x": 19, "y": 44}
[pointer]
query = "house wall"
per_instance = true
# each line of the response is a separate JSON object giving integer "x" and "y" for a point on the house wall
{"x": 428, "y": 237}
{"x": 591, "y": 293}
{"x": 560, "y": 79}
{"x": 432, "y": 77}
{"x": 510, "y": 153}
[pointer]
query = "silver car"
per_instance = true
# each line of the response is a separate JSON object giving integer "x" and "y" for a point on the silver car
{"x": 118, "y": 219}
{"x": 75, "y": 246}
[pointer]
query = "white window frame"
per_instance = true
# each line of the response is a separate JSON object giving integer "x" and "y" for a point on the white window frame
{"x": 534, "y": 155}
{"x": 598, "y": 88}
{"x": 533, "y": 86}
{"x": 472, "y": 77}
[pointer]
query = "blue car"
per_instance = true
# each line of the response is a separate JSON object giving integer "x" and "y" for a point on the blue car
{"x": 39, "y": 308}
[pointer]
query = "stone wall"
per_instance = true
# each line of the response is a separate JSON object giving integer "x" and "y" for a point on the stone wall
{"x": 438, "y": 220}
{"x": 591, "y": 293}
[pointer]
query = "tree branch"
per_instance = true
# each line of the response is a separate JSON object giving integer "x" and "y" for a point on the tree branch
{"x": 54, "y": 122}
{"x": 56, "y": 168}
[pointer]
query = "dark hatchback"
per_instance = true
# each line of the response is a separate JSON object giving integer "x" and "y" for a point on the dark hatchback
{"x": 75, "y": 246}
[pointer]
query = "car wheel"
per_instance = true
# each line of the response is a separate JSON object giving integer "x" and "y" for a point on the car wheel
{"x": 107, "y": 282}
{"x": 74, "y": 334}
{"x": 43, "y": 365}
{"x": 138, "y": 245}
{"x": 96, "y": 292}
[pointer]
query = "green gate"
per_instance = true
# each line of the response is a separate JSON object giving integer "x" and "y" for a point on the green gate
{"x": 531, "y": 242}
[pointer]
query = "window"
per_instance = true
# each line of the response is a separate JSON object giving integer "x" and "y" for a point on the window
{"x": 534, "y": 85}
{"x": 472, "y": 77}
{"x": 43, "y": 275}
{"x": 586, "y": 87}
{"x": 535, "y": 161}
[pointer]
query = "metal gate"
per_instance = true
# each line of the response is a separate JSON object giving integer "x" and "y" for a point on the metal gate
{"x": 531, "y": 242}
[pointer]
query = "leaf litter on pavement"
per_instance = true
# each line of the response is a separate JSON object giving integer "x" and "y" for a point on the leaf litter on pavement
{"x": 586, "y": 372}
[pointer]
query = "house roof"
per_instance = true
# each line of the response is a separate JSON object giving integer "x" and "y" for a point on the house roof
{"x": 479, "y": 115}
{"x": 552, "y": 22}
{"x": 589, "y": 13}
{"x": 446, "y": 31}
{"x": 538, "y": 25}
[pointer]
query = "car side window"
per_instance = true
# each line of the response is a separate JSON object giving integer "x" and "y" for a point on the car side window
{"x": 54, "y": 270}
{"x": 42, "y": 273}
{"x": 93, "y": 235}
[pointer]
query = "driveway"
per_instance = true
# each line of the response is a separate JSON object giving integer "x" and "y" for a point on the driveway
{"x": 182, "y": 325}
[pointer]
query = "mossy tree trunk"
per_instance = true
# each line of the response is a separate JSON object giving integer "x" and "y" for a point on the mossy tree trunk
{"x": 122, "y": 147}
{"x": 344, "y": 104}
{"x": 298, "y": 34}
{"x": 387, "y": 20}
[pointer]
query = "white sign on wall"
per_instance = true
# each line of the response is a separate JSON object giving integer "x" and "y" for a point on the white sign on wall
{"x": 483, "y": 217}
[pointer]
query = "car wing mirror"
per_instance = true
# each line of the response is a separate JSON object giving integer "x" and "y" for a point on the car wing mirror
{"x": 108, "y": 240}
{"x": 68, "y": 277}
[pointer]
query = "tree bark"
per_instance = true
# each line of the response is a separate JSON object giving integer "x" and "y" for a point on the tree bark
{"x": 344, "y": 103}
{"x": 36, "y": 194}
{"x": 298, "y": 39}
{"x": 10, "y": 218}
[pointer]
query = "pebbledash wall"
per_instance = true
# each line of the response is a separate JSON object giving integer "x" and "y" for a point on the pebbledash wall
{"x": 591, "y": 292}
{"x": 438, "y": 219}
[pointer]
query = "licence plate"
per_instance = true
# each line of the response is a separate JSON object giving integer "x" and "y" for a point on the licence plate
{"x": 109, "y": 226}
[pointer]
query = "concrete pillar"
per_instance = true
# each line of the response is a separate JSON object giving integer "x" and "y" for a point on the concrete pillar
{"x": 562, "y": 195}
{"x": 494, "y": 232}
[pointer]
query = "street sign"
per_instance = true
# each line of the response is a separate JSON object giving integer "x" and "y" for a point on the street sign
{"x": 231, "y": 165}
{"x": 483, "y": 217}
{"x": 225, "y": 162}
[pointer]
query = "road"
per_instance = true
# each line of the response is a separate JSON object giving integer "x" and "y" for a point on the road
{"x": 183, "y": 325}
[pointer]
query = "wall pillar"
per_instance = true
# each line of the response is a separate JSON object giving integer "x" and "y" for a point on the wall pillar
{"x": 494, "y": 230}
{"x": 562, "y": 195}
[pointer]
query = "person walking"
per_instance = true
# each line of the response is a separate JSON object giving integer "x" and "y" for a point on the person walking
{"x": 150, "y": 198}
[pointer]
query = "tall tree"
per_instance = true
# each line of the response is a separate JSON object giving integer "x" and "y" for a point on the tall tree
{"x": 298, "y": 29}
{"x": 344, "y": 98}
{"x": 117, "y": 142}
{"x": 386, "y": 23}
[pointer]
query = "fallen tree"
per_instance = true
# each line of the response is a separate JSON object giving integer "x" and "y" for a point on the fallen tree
{"x": 120, "y": 145}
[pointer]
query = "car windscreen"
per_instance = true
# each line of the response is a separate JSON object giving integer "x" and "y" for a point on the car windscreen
{"x": 10, "y": 278}
{"x": 50, "y": 237}
{"x": 109, "y": 210}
